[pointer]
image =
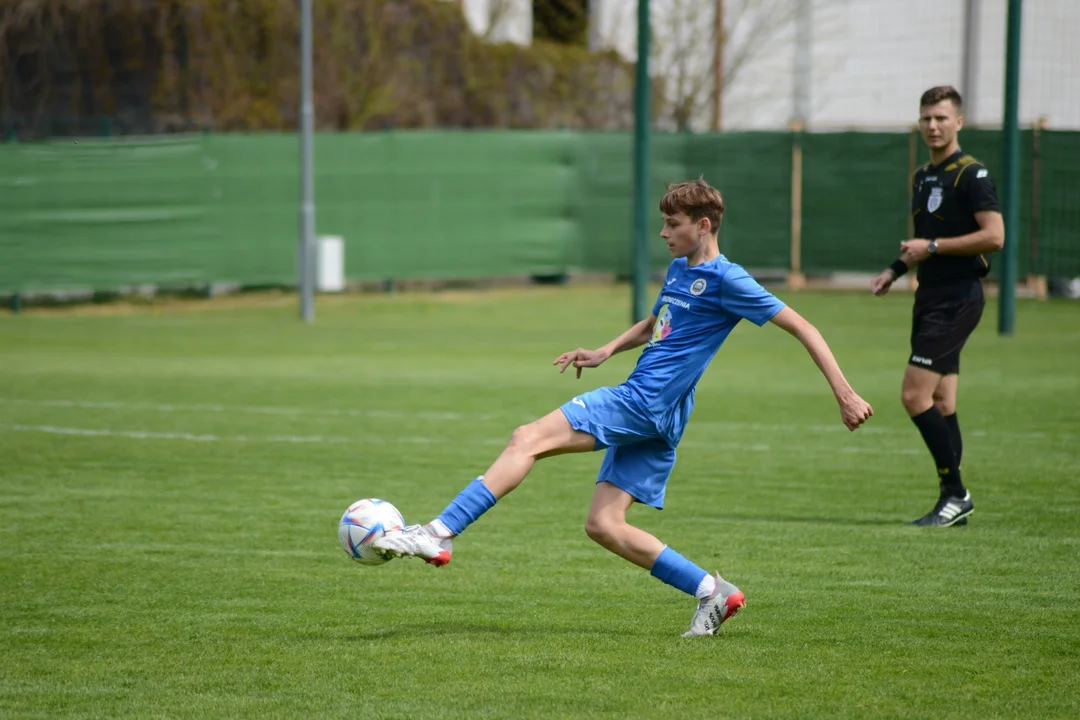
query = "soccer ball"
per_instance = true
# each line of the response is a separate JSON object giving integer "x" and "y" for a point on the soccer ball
{"x": 364, "y": 522}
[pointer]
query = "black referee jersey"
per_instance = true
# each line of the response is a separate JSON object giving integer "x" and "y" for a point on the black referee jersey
{"x": 944, "y": 200}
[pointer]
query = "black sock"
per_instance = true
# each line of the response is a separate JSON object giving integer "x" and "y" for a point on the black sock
{"x": 935, "y": 433}
{"x": 957, "y": 441}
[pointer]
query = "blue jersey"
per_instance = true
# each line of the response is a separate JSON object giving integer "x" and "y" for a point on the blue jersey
{"x": 696, "y": 310}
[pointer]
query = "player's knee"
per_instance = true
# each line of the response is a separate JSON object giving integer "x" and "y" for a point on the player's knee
{"x": 601, "y": 530}
{"x": 525, "y": 439}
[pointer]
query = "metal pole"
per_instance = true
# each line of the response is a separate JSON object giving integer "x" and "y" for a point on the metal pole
{"x": 641, "y": 165}
{"x": 1010, "y": 206}
{"x": 969, "y": 71}
{"x": 306, "y": 249}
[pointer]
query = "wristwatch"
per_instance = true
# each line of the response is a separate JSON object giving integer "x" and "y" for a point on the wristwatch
{"x": 932, "y": 247}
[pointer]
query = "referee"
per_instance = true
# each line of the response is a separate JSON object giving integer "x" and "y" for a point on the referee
{"x": 957, "y": 225}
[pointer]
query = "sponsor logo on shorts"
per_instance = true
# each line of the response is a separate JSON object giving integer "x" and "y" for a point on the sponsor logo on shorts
{"x": 921, "y": 360}
{"x": 578, "y": 401}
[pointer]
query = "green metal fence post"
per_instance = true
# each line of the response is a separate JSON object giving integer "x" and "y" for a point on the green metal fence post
{"x": 1011, "y": 172}
{"x": 642, "y": 117}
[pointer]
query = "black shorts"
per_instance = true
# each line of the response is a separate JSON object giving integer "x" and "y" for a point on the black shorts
{"x": 940, "y": 326}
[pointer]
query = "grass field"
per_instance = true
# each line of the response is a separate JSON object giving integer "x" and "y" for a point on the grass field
{"x": 171, "y": 482}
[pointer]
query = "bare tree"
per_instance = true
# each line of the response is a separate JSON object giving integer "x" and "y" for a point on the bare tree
{"x": 684, "y": 46}
{"x": 681, "y": 54}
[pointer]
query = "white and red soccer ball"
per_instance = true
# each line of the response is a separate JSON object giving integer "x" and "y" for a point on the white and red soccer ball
{"x": 364, "y": 522}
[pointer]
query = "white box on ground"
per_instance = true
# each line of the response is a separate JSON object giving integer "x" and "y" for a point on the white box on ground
{"x": 331, "y": 264}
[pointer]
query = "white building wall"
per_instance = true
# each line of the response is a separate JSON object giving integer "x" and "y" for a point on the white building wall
{"x": 500, "y": 20}
{"x": 871, "y": 58}
{"x": 893, "y": 51}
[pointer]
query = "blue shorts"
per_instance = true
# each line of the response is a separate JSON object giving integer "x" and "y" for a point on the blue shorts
{"x": 639, "y": 459}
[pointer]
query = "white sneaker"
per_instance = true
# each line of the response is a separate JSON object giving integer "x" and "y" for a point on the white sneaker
{"x": 725, "y": 601}
{"x": 416, "y": 541}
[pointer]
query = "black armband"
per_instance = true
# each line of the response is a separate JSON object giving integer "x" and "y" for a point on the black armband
{"x": 898, "y": 267}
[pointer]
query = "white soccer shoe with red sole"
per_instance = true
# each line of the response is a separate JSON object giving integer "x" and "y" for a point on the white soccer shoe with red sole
{"x": 713, "y": 611}
{"x": 416, "y": 541}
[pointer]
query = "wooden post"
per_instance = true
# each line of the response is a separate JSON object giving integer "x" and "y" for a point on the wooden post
{"x": 913, "y": 165}
{"x": 718, "y": 66}
{"x": 1034, "y": 282}
{"x": 796, "y": 280}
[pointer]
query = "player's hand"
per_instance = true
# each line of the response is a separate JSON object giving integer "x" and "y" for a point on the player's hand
{"x": 580, "y": 358}
{"x": 881, "y": 284}
{"x": 914, "y": 251}
{"x": 854, "y": 411}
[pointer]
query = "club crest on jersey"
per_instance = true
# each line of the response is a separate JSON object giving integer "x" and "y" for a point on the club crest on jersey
{"x": 698, "y": 287}
{"x": 934, "y": 201}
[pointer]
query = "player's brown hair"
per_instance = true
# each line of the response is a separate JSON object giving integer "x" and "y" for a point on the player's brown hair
{"x": 697, "y": 199}
{"x": 942, "y": 92}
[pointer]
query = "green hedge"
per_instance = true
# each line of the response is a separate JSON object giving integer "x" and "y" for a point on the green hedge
{"x": 149, "y": 67}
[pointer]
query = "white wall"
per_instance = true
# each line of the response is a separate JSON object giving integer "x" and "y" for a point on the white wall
{"x": 892, "y": 52}
{"x": 500, "y": 20}
{"x": 871, "y": 58}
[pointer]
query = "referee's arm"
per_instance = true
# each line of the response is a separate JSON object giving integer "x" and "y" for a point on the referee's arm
{"x": 990, "y": 237}
{"x": 979, "y": 196}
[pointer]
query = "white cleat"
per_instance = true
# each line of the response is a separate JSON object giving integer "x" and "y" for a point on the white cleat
{"x": 416, "y": 541}
{"x": 725, "y": 601}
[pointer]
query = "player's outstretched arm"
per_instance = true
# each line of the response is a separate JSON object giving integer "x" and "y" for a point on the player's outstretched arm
{"x": 853, "y": 409}
{"x": 638, "y": 334}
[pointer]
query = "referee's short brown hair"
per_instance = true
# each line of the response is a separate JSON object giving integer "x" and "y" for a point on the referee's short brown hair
{"x": 942, "y": 92}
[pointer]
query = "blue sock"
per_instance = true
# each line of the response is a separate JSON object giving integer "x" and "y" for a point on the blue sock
{"x": 467, "y": 507}
{"x": 678, "y": 572}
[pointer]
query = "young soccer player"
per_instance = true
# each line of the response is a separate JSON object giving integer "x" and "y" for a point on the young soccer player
{"x": 641, "y": 421}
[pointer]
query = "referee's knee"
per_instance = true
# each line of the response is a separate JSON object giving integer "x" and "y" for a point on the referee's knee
{"x": 915, "y": 400}
{"x": 946, "y": 406}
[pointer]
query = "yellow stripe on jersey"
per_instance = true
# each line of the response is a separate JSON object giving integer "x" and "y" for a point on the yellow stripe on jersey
{"x": 967, "y": 161}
